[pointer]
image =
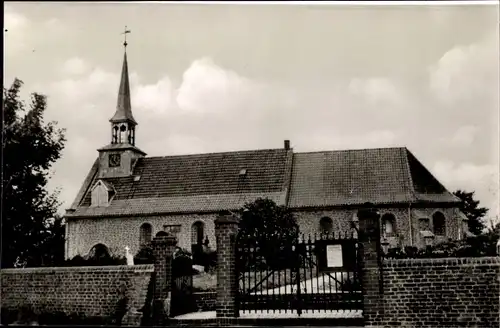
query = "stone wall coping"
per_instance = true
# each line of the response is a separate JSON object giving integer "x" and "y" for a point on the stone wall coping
{"x": 108, "y": 268}
{"x": 442, "y": 261}
{"x": 205, "y": 293}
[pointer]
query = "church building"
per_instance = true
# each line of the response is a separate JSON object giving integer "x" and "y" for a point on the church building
{"x": 128, "y": 197}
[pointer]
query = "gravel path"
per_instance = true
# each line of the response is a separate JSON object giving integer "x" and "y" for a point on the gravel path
{"x": 277, "y": 315}
{"x": 320, "y": 285}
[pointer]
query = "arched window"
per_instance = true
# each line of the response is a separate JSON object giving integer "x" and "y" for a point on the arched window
{"x": 145, "y": 234}
{"x": 388, "y": 225}
{"x": 439, "y": 223}
{"x": 99, "y": 251}
{"x": 197, "y": 233}
{"x": 326, "y": 225}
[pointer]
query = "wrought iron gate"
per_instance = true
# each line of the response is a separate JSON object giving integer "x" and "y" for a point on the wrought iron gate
{"x": 313, "y": 273}
{"x": 182, "y": 300}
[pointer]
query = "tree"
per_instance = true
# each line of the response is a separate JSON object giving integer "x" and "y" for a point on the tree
{"x": 30, "y": 226}
{"x": 470, "y": 207}
{"x": 273, "y": 228}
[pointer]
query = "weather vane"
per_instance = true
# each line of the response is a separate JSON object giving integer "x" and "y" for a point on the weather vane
{"x": 125, "y": 36}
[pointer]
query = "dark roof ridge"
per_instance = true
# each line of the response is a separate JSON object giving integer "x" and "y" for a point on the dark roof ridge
{"x": 215, "y": 153}
{"x": 347, "y": 150}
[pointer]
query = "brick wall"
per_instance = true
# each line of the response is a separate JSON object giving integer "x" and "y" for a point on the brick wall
{"x": 453, "y": 221}
{"x": 442, "y": 292}
{"x": 83, "y": 234}
{"x": 116, "y": 233}
{"x": 309, "y": 222}
{"x": 90, "y": 291}
{"x": 226, "y": 227}
{"x": 206, "y": 301}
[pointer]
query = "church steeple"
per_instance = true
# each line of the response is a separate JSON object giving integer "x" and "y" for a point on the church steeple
{"x": 123, "y": 106}
{"x": 123, "y": 122}
{"x": 118, "y": 159}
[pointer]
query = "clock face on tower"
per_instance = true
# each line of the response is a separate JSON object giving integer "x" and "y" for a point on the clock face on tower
{"x": 114, "y": 160}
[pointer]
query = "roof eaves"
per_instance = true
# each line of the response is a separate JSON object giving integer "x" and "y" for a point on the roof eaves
{"x": 87, "y": 183}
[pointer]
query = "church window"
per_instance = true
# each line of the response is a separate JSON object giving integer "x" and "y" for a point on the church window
{"x": 122, "y": 138}
{"x": 99, "y": 251}
{"x": 115, "y": 135}
{"x": 439, "y": 223}
{"x": 145, "y": 234}
{"x": 388, "y": 225}
{"x": 326, "y": 225}
{"x": 197, "y": 233}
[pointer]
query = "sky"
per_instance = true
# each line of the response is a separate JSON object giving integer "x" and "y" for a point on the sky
{"x": 224, "y": 77}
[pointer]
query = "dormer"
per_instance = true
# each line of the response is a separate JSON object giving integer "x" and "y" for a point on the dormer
{"x": 102, "y": 194}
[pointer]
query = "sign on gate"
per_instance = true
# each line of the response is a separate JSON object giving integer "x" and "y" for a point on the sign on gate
{"x": 334, "y": 256}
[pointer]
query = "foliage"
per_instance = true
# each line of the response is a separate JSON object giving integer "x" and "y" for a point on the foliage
{"x": 78, "y": 261}
{"x": 479, "y": 246}
{"x": 272, "y": 229}
{"x": 470, "y": 207}
{"x": 144, "y": 255}
{"x": 29, "y": 147}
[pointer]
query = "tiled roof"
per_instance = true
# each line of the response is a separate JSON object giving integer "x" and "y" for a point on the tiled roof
{"x": 177, "y": 204}
{"x": 180, "y": 177}
{"x": 351, "y": 177}
{"x": 212, "y": 182}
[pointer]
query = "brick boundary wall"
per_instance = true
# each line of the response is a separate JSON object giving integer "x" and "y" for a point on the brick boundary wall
{"x": 447, "y": 292}
{"x": 206, "y": 301}
{"x": 88, "y": 291}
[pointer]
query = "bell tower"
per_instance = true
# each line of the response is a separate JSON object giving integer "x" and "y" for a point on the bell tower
{"x": 119, "y": 157}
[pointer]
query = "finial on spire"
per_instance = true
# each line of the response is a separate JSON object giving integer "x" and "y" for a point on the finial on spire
{"x": 125, "y": 37}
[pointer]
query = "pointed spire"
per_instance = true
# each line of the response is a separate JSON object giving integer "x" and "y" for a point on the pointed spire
{"x": 123, "y": 106}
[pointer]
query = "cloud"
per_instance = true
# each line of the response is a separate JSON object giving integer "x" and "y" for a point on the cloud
{"x": 370, "y": 139}
{"x": 208, "y": 88}
{"x": 484, "y": 179}
{"x": 467, "y": 71}
{"x": 156, "y": 98}
{"x": 376, "y": 91}
{"x": 14, "y": 21}
{"x": 463, "y": 136}
{"x": 75, "y": 66}
{"x": 15, "y": 38}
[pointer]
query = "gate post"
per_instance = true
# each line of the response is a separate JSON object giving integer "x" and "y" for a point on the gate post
{"x": 163, "y": 250}
{"x": 371, "y": 266}
{"x": 226, "y": 229}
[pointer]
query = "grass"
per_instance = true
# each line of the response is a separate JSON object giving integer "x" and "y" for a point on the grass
{"x": 275, "y": 279}
{"x": 207, "y": 282}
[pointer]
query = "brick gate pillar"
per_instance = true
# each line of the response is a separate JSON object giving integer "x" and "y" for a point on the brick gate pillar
{"x": 371, "y": 266}
{"x": 226, "y": 229}
{"x": 163, "y": 250}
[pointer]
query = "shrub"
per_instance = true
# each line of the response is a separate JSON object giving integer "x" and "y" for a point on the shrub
{"x": 144, "y": 256}
{"x": 482, "y": 245}
{"x": 8, "y": 316}
{"x": 95, "y": 261}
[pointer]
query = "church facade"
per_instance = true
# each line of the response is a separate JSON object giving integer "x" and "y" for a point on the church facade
{"x": 127, "y": 197}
